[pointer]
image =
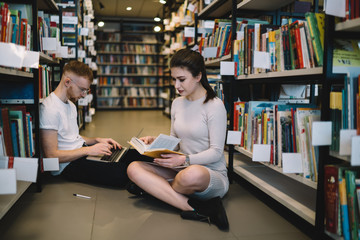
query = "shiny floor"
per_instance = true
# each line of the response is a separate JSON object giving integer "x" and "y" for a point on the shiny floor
{"x": 55, "y": 214}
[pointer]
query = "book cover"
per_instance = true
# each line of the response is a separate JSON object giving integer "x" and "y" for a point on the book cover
{"x": 5, "y": 123}
{"x": 352, "y": 203}
{"x": 344, "y": 209}
{"x": 315, "y": 36}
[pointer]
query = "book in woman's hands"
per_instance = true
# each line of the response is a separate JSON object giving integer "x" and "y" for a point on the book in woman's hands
{"x": 163, "y": 144}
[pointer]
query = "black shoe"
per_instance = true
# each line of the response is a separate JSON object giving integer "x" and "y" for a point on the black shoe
{"x": 210, "y": 210}
{"x": 135, "y": 189}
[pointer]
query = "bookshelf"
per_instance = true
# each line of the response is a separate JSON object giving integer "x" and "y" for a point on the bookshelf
{"x": 25, "y": 89}
{"x": 130, "y": 66}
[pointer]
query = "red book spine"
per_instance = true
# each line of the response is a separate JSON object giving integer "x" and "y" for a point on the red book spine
{"x": 358, "y": 114}
{"x": 298, "y": 47}
{"x": 331, "y": 198}
{"x": 293, "y": 129}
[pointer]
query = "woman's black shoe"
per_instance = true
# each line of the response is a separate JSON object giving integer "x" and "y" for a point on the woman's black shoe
{"x": 135, "y": 189}
{"x": 211, "y": 211}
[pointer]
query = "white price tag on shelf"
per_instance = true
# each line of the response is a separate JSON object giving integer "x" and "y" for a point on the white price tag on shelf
{"x": 345, "y": 141}
{"x": 8, "y": 181}
{"x": 83, "y": 102}
{"x": 189, "y": 32}
{"x": 191, "y": 7}
{"x": 84, "y": 31}
{"x": 355, "y": 151}
{"x": 261, "y": 153}
{"x": 209, "y": 24}
{"x": 261, "y": 60}
{"x": 210, "y": 52}
{"x": 14, "y": 55}
{"x": 321, "y": 133}
{"x": 31, "y": 59}
{"x": 51, "y": 164}
{"x": 335, "y": 7}
{"x": 233, "y": 137}
{"x": 292, "y": 163}
{"x": 49, "y": 43}
{"x": 227, "y": 68}
{"x": 26, "y": 169}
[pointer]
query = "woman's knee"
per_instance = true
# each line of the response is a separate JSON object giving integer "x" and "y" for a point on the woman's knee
{"x": 133, "y": 169}
{"x": 193, "y": 175}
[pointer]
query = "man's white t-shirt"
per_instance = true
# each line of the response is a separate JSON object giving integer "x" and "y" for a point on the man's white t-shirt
{"x": 62, "y": 117}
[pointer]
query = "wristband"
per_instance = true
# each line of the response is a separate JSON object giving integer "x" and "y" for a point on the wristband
{"x": 187, "y": 161}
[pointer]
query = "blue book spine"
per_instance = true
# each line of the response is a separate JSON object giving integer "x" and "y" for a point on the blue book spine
{"x": 14, "y": 139}
{"x": 344, "y": 210}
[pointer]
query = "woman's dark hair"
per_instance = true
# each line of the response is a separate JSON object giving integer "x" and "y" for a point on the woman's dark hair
{"x": 194, "y": 63}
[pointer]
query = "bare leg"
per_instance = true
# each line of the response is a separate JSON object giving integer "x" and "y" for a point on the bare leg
{"x": 193, "y": 179}
{"x": 153, "y": 180}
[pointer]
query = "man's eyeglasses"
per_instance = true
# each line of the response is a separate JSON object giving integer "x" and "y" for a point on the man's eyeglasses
{"x": 83, "y": 90}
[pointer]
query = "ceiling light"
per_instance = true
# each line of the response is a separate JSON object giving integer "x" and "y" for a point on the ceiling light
{"x": 101, "y": 24}
{"x": 157, "y": 18}
{"x": 129, "y": 8}
{"x": 101, "y": 6}
{"x": 157, "y": 28}
{"x": 162, "y": 1}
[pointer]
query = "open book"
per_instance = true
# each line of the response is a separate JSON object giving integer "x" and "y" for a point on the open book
{"x": 161, "y": 145}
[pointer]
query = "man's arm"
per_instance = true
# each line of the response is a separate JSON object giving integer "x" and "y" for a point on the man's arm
{"x": 49, "y": 144}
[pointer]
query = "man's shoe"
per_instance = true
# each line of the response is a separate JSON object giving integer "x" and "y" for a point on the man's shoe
{"x": 210, "y": 210}
{"x": 135, "y": 189}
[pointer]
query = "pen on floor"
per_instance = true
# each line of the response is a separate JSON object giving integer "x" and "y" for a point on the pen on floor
{"x": 82, "y": 196}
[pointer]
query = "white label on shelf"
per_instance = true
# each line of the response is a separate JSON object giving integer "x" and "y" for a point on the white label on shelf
{"x": 51, "y": 164}
{"x": 191, "y": 7}
{"x": 209, "y": 24}
{"x": 210, "y": 52}
{"x": 26, "y": 169}
{"x": 8, "y": 181}
{"x": 70, "y": 20}
{"x": 207, "y": 1}
{"x": 189, "y": 32}
{"x": 345, "y": 141}
{"x": 64, "y": 52}
{"x": 321, "y": 133}
{"x": 227, "y": 68}
{"x": 54, "y": 18}
{"x": 233, "y": 137}
{"x": 31, "y": 59}
{"x": 81, "y": 54}
{"x": 261, "y": 153}
{"x": 82, "y": 102}
{"x": 261, "y": 60}
{"x": 335, "y": 8}
{"x": 355, "y": 151}
{"x": 49, "y": 43}
{"x": 292, "y": 163}
{"x": 14, "y": 55}
{"x": 87, "y": 18}
{"x": 84, "y": 31}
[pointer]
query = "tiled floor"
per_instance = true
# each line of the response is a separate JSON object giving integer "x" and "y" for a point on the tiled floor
{"x": 115, "y": 214}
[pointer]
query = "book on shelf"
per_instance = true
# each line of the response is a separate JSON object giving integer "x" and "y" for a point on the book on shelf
{"x": 163, "y": 144}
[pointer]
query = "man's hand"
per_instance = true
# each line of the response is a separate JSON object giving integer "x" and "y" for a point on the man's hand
{"x": 110, "y": 141}
{"x": 99, "y": 149}
{"x": 170, "y": 160}
{"x": 147, "y": 139}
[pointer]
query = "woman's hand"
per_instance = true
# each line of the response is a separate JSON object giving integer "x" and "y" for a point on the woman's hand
{"x": 110, "y": 141}
{"x": 170, "y": 160}
{"x": 147, "y": 139}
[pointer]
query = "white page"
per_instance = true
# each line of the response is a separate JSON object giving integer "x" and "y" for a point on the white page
{"x": 189, "y": 32}
{"x": 345, "y": 141}
{"x": 49, "y": 43}
{"x": 355, "y": 151}
{"x": 26, "y": 169}
{"x": 261, "y": 60}
{"x": 51, "y": 164}
{"x": 292, "y": 163}
{"x": 321, "y": 133}
{"x": 31, "y": 59}
{"x": 8, "y": 181}
{"x": 233, "y": 137}
{"x": 335, "y": 8}
{"x": 210, "y": 52}
{"x": 164, "y": 141}
{"x": 227, "y": 68}
{"x": 14, "y": 55}
{"x": 261, "y": 153}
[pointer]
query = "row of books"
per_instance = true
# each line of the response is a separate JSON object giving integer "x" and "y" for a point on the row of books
{"x": 128, "y": 47}
{"x": 285, "y": 127}
{"x": 127, "y": 59}
{"x": 15, "y": 27}
{"x": 297, "y": 44}
{"x": 127, "y": 102}
{"x": 129, "y": 70}
{"x": 217, "y": 86}
{"x": 127, "y": 81}
{"x": 345, "y": 109}
{"x": 16, "y": 132}
{"x": 47, "y": 28}
{"x": 342, "y": 200}
{"x": 131, "y": 92}
{"x": 117, "y": 37}
{"x": 352, "y": 9}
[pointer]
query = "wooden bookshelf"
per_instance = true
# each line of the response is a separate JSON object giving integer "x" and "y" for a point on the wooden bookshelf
{"x": 261, "y": 5}
{"x": 352, "y": 25}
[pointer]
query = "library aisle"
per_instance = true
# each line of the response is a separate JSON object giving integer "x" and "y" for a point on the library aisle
{"x": 115, "y": 214}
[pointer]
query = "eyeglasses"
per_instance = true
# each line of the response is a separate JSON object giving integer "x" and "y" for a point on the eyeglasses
{"x": 83, "y": 90}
